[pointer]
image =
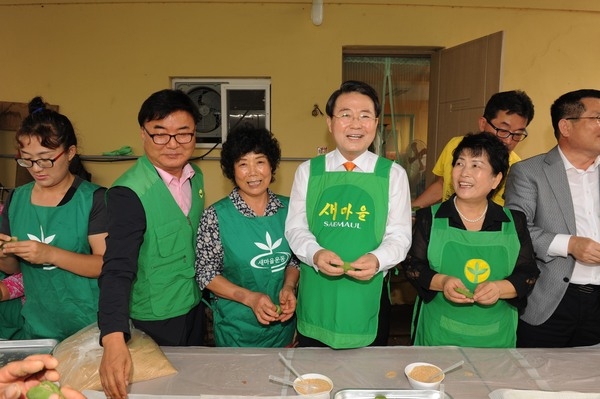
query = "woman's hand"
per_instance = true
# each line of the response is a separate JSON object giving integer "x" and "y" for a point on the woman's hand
{"x": 31, "y": 251}
{"x": 449, "y": 285}
{"x": 287, "y": 301}
{"x": 16, "y": 378}
{"x": 489, "y": 292}
{"x": 264, "y": 309}
{"x": 4, "y": 239}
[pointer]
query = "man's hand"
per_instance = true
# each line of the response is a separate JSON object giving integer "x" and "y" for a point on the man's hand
{"x": 115, "y": 367}
{"x": 328, "y": 262}
{"x": 364, "y": 268}
{"x": 585, "y": 250}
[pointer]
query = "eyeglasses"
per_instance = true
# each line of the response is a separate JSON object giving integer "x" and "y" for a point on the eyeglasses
{"x": 503, "y": 133}
{"x": 347, "y": 117}
{"x": 162, "y": 139}
{"x": 597, "y": 118}
{"x": 42, "y": 163}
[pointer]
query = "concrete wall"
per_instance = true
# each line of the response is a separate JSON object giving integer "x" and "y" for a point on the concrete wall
{"x": 100, "y": 59}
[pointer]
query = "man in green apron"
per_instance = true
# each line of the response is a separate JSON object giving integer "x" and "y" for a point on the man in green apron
{"x": 349, "y": 223}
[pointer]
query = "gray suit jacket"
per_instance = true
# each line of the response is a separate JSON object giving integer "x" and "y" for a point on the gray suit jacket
{"x": 538, "y": 187}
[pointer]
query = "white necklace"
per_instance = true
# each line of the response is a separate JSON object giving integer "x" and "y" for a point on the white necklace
{"x": 466, "y": 218}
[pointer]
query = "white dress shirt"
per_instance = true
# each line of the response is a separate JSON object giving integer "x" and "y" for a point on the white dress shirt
{"x": 398, "y": 231}
{"x": 585, "y": 194}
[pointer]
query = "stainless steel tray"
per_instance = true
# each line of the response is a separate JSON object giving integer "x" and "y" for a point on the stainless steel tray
{"x": 11, "y": 350}
{"x": 389, "y": 394}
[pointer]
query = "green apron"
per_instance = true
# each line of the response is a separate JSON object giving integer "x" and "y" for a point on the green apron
{"x": 256, "y": 255}
{"x": 347, "y": 213}
{"x": 474, "y": 257}
{"x": 59, "y": 303}
{"x": 11, "y": 320}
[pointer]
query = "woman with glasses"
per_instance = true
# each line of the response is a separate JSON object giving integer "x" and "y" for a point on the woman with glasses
{"x": 471, "y": 260}
{"x": 59, "y": 223}
{"x": 242, "y": 256}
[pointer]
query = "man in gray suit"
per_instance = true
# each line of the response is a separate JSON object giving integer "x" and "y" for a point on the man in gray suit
{"x": 559, "y": 192}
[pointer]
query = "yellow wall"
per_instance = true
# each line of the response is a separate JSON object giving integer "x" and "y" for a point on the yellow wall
{"x": 100, "y": 59}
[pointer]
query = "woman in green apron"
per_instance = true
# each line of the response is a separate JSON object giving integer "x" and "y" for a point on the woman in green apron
{"x": 471, "y": 261}
{"x": 59, "y": 221}
{"x": 243, "y": 257}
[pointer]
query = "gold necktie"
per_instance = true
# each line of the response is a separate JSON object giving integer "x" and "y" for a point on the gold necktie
{"x": 349, "y": 166}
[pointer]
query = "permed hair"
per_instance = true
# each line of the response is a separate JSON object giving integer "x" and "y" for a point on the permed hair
{"x": 246, "y": 139}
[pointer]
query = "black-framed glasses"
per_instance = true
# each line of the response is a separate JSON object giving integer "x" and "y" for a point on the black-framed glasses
{"x": 597, "y": 118}
{"x": 162, "y": 138}
{"x": 503, "y": 133}
{"x": 347, "y": 117}
{"x": 42, "y": 163}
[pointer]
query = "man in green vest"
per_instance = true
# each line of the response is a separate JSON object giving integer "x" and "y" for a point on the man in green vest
{"x": 154, "y": 209}
{"x": 349, "y": 222}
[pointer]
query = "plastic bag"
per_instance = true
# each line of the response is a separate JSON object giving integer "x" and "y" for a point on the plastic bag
{"x": 80, "y": 354}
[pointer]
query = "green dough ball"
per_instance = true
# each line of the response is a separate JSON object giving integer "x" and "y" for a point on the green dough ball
{"x": 346, "y": 266}
{"x": 380, "y": 397}
{"x": 12, "y": 239}
{"x": 278, "y": 309}
{"x": 44, "y": 390}
{"x": 465, "y": 292}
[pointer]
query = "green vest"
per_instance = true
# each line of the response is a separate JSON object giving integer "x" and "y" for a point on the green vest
{"x": 59, "y": 303}
{"x": 474, "y": 257}
{"x": 256, "y": 256}
{"x": 165, "y": 286}
{"x": 347, "y": 213}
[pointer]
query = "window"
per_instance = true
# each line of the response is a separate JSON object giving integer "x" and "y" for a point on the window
{"x": 225, "y": 104}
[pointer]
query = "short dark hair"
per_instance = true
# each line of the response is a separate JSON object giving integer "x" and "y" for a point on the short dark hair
{"x": 569, "y": 105}
{"x": 353, "y": 86}
{"x": 478, "y": 144}
{"x": 53, "y": 129}
{"x": 163, "y": 103}
{"x": 513, "y": 102}
{"x": 248, "y": 138}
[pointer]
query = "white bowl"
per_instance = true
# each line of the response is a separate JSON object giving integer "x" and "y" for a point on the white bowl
{"x": 416, "y": 384}
{"x": 323, "y": 387}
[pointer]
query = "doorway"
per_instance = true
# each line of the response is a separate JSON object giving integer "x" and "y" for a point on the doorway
{"x": 402, "y": 82}
{"x": 430, "y": 94}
